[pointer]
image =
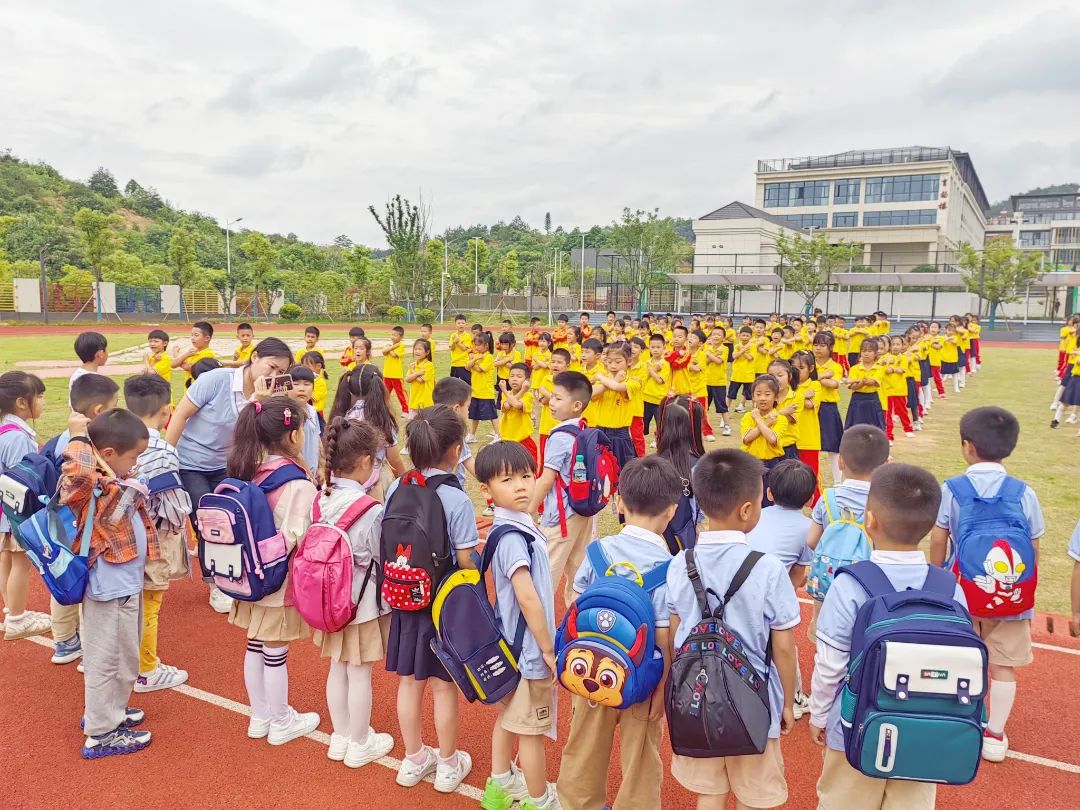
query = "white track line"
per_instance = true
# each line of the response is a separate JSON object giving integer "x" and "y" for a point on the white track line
{"x": 239, "y": 708}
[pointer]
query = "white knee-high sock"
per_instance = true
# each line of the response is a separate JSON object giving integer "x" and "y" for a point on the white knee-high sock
{"x": 337, "y": 696}
{"x": 253, "y": 680}
{"x": 276, "y": 678}
{"x": 1002, "y": 696}
{"x": 359, "y": 702}
{"x": 1057, "y": 396}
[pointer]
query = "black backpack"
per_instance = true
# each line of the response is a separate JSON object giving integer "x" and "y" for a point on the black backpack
{"x": 681, "y": 532}
{"x": 416, "y": 551}
{"x": 717, "y": 702}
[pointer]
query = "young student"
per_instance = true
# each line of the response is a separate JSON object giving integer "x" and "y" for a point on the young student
{"x": 456, "y": 394}
{"x": 900, "y": 509}
{"x": 22, "y": 400}
{"x": 560, "y": 362}
{"x": 716, "y": 377}
{"x": 571, "y": 391}
{"x": 481, "y": 366}
{"x": 935, "y": 348}
{"x": 614, "y": 390}
{"x": 270, "y": 435}
{"x": 592, "y": 351}
{"x": 894, "y": 387}
{"x": 245, "y": 336}
{"x": 92, "y": 349}
{"x": 787, "y": 404}
{"x": 532, "y": 340}
{"x": 524, "y": 593}
{"x": 857, "y": 335}
{"x": 830, "y": 374}
{"x": 988, "y": 436}
{"x": 311, "y": 341}
{"x": 584, "y": 330}
{"x": 808, "y": 405}
{"x": 201, "y": 335}
{"x": 541, "y": 361}
{"x": 657, "y": 383}
{"x": 97, "y": 465}
{"x": 360, "y": 347}
{"x": 460, "y": 344}
{"x": 648, "y": 496}
{"x": 1070, "y": 394}
{"x": 425, "y": 334}
{"x": 393, "y": 372}
{"x": 150, "y": 398}
{"x": 516, "y": 423}
{"x": 742, "y": 370}
{"x": 696, "y": 376}
{"x": 637, "y": 403}
{"x": 573, "y": 345}
{"x": 158, "y": 360}
{"x": 348, "y": 357}
{"x": 864, "y": 380}
{"x": 679, "y": 440}
{"x": 421, "y": 376}
{"x": 350, "y": 451}
{"x": 303, "y": 380}
{"x": 317, "y": 363}
{"x": 434, "y": 438}
{"x": 764, "y": 614}
{"x": 505, "y": 356}
{"x": 679, "y": 359}
{"x": 361, "y": 395}
{"x": 561, "y": 333}
{"x": 950, "y": 357}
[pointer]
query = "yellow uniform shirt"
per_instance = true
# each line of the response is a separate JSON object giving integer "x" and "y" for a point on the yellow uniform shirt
{"x": 840, "y": 337}
{"x": 516, "y": 424}
{"x": 830, "y": 394}
{"x": 195, "y": 358}
{"x": 808, "y": 428}
{"x": 697, "y": 379}
{"x": 243, "y": 353}
{"x": 743, "y": 365}
{"x": 894, "y": 383}
{"x": 483, "y": 376}
{"x": 393, "y": 364}
{"x": 637, "y": 403}
{"x": 514, "y": 356}
{"x": 855, "y": 339}
{"x": 575, "y": 357}
{"x": 460, "y": 346}
{"x": 652, "y": 391}
{"x": 790, "y": 429}
{"x": 762, "y": 358}
{"x": 614, "y": 408}
{"x": 975, "y": 329}
{"x": 759, "y": 447}
{"x": 965, "y": 338}
{"x": 318, "y": 393}
{"x": 541, "y": 375}
{"x": 547, "y": 422}
{"x": 935, "y": 345}
{"x": 304, "y": 350}
{"x": 162, "y": 366}
{"x": 1065, "y": 334}
{"x": 880, "y": 328}
{"x": 530, "y": 344}
{"x": 716, "y": 372}
{"x": 420, "y": 390}
{"x": 950, "y": 351}
{"x": 592, "y": 410}
{"x": 861, "y": 372}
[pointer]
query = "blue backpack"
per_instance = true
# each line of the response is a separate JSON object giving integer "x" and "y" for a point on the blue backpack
{"x": 605, "y": 648}
{"x": 911, "y": 705}
{"x": 594, "y": 472}
{"x": 995, "y": 558}
{"x": 469, "y": 641}
{"x": 48, "y": 537}
{"x": 843, "y": 542}
{"x": 27, "y": 486}
{"x": 239, "y": 545}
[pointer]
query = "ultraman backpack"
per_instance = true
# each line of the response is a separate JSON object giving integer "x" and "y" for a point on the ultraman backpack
{"x": 322, "y": 569}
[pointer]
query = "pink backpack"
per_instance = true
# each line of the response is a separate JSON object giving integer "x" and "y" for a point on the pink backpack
{"x": 322, "y": 570}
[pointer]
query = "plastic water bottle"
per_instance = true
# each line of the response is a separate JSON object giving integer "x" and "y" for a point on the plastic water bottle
{"x": 579, "y": 474}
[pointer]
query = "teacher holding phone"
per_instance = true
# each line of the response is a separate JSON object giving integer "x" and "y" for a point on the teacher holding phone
{"x": 201, "y": 427}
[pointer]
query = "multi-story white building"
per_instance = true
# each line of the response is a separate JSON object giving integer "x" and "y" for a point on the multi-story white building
{"x": 1046, "y": 223}
{"x": 908, "y": 206}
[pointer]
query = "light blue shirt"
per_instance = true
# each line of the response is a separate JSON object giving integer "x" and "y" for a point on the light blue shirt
{"x": 1074, "y": 544}
{"x": 765, "y": 602}
{"x": 511, "y": 554}
{"x": 459, "y": 470}
{"x": 13, "y": 446}
{"x": 633, "y": 549}
{"x": 115, "y": 581}
{"x": 62, "y": 441}
{"x": 558, "y": 456}
{"x": 987, "y": 478}
{"x": 208, "y": 435}
{"x": 312, "y": 439}
{"x": 850, "y": 495}
{"x": 458, "y": 508}
{"x": 836, "y": 621}
{"x": 782, "y": 533}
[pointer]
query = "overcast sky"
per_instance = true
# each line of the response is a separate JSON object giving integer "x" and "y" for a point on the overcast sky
{"x": 297, "y": 116}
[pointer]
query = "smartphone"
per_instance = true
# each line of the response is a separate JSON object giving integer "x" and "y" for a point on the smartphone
{"x": 280, "y": 383}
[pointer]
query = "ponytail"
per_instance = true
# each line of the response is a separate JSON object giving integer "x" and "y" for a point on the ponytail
{"x": 431, "y": 434}
{"x": 260, "y": 430}
{"x": 346, "y": 441}
{"x": 364, "y": 384}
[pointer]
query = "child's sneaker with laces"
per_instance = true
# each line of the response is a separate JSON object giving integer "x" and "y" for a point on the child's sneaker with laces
{"x": 549, "y": 802}
{"x": 117, "y": 741}
{"x": 376, "y": 746}
{"x": 295, "y": 725}
{"x": 339, "y": 744}
{"x": 411, "y": 774}
{"x": 726, "y": 430}
{"x": 994, "y": 747}
{"x": 448, "y": 777}
{"x": 132, "y": 717}
{"x": 500, "y": 796}
{"x": 65, "y": 652}
{"x": 160, "y": 677}
{"x": 28, "y": 623}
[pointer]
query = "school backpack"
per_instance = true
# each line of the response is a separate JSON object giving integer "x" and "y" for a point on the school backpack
{"x": 469, "y": 641}
{"x": 26, "y": 486}
{"x": 843, "y": 542}
{"x": 605, "y": 648}
{"x": 240, "y": 546}
{"x": 717, "y": 702}
{"x": 995, "y": 559}
{"x": 416, "y": 553}
{"x": 48, "y": 538}
{"x": 681, "y": 532}
{"x": 49, "y": 451}
{"x": 322, "y": 569}
{"x": 911, "y": 706}
{"x": 594, "y": 472}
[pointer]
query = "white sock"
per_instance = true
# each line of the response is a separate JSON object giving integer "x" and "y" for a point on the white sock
{"x": 276, "y": 679}
{"x": 337, "y": 697}
{"x": 1060, "y": 412}
{"x": 542, "y": 801}
{"x": 1057, "y": 395}
{"x": 254, "y": 682}
{"x": 1002, "y": 696}
{"x": 359, "y": 702}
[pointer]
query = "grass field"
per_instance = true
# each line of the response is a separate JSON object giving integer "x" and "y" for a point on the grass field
{"x": 1017, "y": 378}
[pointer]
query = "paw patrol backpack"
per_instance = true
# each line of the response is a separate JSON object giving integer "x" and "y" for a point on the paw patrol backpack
{"x": 606, "y": 646}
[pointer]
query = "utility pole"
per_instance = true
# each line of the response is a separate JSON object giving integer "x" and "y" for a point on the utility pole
{"x": 44, "y": 284}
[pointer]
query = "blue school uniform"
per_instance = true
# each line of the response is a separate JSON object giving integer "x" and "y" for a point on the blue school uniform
{"x": 850, "y": 495}
{"x": 1074, "y": 544}
{"x": 639, "y": 548}
{"x": 782, "y": 533}
{"x": 558, "y": 456}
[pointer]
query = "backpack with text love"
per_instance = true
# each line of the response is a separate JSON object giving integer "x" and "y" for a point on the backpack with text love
{"x": 416, "y": 552}
{"x": 911, "y": 705}
{"x": 995, "y": 556}
{"x": 469, "y": 642}
{"x": 605, "y": 648}
{"x": 843, "y": 542}
{"x": 322, "y": 569}
{"x": 240, "y": 546}
{"x": 594, "y": 472}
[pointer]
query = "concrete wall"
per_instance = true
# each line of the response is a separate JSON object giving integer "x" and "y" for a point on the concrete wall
{"x": 27, "y": 295}
{"x": 906, "y": 304}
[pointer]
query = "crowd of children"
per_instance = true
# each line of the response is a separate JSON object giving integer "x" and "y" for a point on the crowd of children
{"x": 695, "y": 525}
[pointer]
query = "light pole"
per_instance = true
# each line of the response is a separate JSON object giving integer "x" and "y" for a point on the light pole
{"x": 582, "y": 302}
{"x": 445, "y": 275}
{"x": 228, "y": 262}
{"x": 44, "y": 284}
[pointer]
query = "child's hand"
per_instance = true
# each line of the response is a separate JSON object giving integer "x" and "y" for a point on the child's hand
{"x": 549, "y": 662}
{"x": 787, "y": 720}
{"x": 1074, "y": 625}
{"x": 503, "y": 387}
{"x": 817, "y": 735}
{"x": 77, "y": 424}
{"x": 788, "y": 411}
{"x": 656, "y": 703}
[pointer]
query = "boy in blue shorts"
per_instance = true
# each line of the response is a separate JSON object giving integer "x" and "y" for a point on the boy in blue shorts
{"x": 988, "y": 436}
{"x": 900, "y": 510}
{"x": 727, "y": 484}
{"x": 523, "y": 593}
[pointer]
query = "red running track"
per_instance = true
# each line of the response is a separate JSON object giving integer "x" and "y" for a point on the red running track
{"x": 201, "y": 757}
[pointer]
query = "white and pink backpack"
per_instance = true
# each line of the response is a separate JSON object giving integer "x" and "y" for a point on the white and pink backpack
{"x": 322, "y": 570}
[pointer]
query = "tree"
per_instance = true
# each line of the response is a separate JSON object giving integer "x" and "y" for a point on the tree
{"x": 343, "y": 242}
{"x": 358, "y": 263}
{"x": 99, "y": 236}
{"x": 507, "y": 274}
{"x": 647, "y": 248}
{"x": 999, "y": 274}
{"x": 547, "y": 223}
{"x": 807, "y": 265}
{"x": 182, "y": 263}
{"x": 262, "y": 267}
{"x": 405, "y": 225}
{"x": 127, "y": 270}
{"x": 103, "y": 183}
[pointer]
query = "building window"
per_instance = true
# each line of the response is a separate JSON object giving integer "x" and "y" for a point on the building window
{"x": 805, "y": 220}
{"x": 1035, "y": 238}
{"x": 927, "y": 216}
{"x": 798, "y": 193}
{"x": 847, "y": 192}
{"x": 848, "y": 219}
{"x": 1067, "y": 236}
{"x": 907, "y": 188}
{"x": 1066, "y": 257}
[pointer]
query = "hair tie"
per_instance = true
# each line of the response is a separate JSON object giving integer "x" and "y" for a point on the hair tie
{"x": 288, "y": 417}
{"x": 258, "y": 406}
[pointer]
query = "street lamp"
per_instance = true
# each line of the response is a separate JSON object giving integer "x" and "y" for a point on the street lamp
{"x": 228, "y": 261}
{"x": 44, "y": 284}
{"x": 446, "y": 274}
{"x": 582, "y": 301}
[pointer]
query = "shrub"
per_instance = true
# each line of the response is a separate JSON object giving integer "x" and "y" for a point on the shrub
{"x": 378, "y": 311}
{"x": 396, "y": 314}
{"x": 290, "y": 312}
{"x": 425, "y": 315}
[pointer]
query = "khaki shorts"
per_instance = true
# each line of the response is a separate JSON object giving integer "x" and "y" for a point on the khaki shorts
{"x": 841, "y": 787}
{"x": 756, "y": 781}
{"x": 529, "y": 710}
{"x": 1008, "y": 644}
{"x": 7, "y": 543}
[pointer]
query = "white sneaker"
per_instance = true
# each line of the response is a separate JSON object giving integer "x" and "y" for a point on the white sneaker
{"x": 220, "y": 602}
{"x": 801, "y": 705}
{"x": 447, "y": 779}
{"x": 910, "y": 434}
{"x": 470, "y": 439}
{"x": 339, "y": 744}
{"x": 489, "y": 511}
{"x": 1053, "y": 406}
{"x": 652, "y": 445}
{"x": 258, "y": 728}
{"x": 30, "y": 623}
{"x": 1071, "y": 420}
{"x": 739, "y": 409}
{"x": 710, "y": 438}
{"x": 993, "y": 749}
{"x": 376, "y": 746}
{"x": 161, "y": 677}
{"x": 411, "y": 775}
{"x": 726, "y": 431}
{"x": 297, "y": 725}
{"x": 404, "y": 451}
{"x": 516, "y": 787}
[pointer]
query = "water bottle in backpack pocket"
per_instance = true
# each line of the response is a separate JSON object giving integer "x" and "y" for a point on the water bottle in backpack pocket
{"x": 717, "y": 701}
{"x": 594, "y": 473}
{"x": 912, "y": 703}
{"x": 843, "y": 542}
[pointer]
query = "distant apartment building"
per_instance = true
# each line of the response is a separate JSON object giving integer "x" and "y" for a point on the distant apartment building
{"x": 908, "y": 206}
{"x": 1046, "y": 223}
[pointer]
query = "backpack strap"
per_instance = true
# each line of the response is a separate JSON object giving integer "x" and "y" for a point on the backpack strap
{"x": 281, "y": 476}
{"x": 356, "y": 510}
{"x": 1012, "y": 490}
{"x": 163, "y": 482}
{"x": 443, "y": 479}
{"x": 963, "y": 490}
{"x": 740, "y": 577}
{"x": 872, "y": 579}
{"x": 694, "y": 576}
{"x": 494, "y": 536}
{"x": 597, "y": 559}
{"x": 656, "y": 577}
{"x": 940, "y": 582}
{"x": 828, "y": 506}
